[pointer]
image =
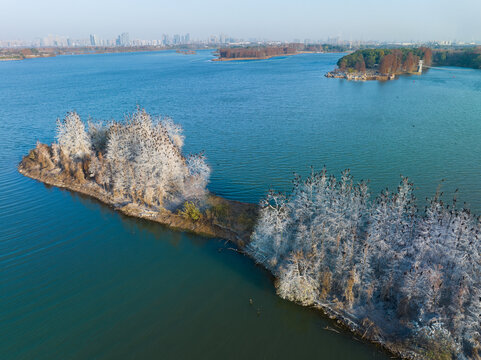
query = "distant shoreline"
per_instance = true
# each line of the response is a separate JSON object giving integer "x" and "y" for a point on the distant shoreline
{"x": 267, "y": 57}
{"x": 134, "y": 50}
{"x": 25, "y": 54}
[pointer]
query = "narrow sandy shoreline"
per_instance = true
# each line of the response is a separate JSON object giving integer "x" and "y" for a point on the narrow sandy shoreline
{"x": 236, "y": 227}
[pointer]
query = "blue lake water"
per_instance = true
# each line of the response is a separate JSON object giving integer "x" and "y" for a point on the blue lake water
{"x": 78, "y": 280}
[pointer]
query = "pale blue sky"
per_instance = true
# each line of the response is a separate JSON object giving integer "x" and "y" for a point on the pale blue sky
{"x": 270, "y": 19}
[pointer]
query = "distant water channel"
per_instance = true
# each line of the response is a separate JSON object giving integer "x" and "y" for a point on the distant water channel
{"x": 80, "y": 281}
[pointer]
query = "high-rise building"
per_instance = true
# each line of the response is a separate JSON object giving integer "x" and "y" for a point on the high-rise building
{"x": 123, "y": 40}
{"x": 94, "y": 40}
{"x": 165, "y": 39}
{"x": 176, "y": 39}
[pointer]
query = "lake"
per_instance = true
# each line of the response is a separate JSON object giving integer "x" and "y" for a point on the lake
{"x": 79, "y": 280}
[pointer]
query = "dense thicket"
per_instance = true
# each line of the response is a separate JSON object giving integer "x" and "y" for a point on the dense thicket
{"x": 415, "y": 278}
{"x": 256, "y": 52}
{"x": 387, "y": 61}
{"x": 139, "y": 159}
{"x": 470, "y": 58}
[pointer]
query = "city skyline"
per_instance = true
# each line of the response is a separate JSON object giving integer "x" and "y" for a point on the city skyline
{"x": 268, "y": 20}
{"x": 122, "y": 39}
{"x": 165, "y": 40}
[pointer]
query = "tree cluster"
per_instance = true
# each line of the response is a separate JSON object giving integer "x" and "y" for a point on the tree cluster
{"x": 139, "y": 159}
{"x": 386, "y": 61}
{"x": 414, "y": 278}
{"x": 262, "y": 52}
{"x": 470, "y": 58}
{"x": 256, "y": 52}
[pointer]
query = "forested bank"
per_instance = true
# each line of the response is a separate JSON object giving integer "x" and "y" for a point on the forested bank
{"x": 469, "y": 58}
{"x": 406, "y": 60}
{"x": 386, "y": 61}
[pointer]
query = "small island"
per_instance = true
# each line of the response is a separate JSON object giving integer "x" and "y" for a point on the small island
{"x": 267, "y": 52}
{"x": 387, "y": 64}
{"x": 382, "y": 64}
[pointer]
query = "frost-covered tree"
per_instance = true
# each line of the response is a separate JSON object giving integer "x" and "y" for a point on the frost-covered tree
{"x": 389, "y": 235}
{"x": 174, "y": 131}
{"x": 270, "y": 240}
{"x": 313, "y": 237}
{"x": 139, "y": 159}
{"x": 199, "y": 172}
{"x": 381, "y": 260}
{"x": 72, "y": 137}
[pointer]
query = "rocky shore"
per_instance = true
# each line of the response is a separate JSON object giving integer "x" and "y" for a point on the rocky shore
{"x": 359, "y": 76}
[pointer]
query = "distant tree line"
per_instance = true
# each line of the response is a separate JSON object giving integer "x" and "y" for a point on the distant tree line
{"x": 470, "y": 58}
{"x": 261, "y": 52}
{"x": 256, "y": 52}
{"x": 386, "y": 61}
{"x": 20, "y": 53}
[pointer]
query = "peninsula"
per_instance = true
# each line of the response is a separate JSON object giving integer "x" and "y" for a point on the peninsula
{"x": 405, "y": 280}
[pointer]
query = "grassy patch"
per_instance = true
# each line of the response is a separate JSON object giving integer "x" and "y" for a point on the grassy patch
{"x": 221, "y": 211}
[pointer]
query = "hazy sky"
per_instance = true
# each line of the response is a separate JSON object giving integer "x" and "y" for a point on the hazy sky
{"x": 269, "y": 19}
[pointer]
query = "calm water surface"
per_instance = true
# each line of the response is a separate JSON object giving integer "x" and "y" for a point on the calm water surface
{"x": 79, "y": 281}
